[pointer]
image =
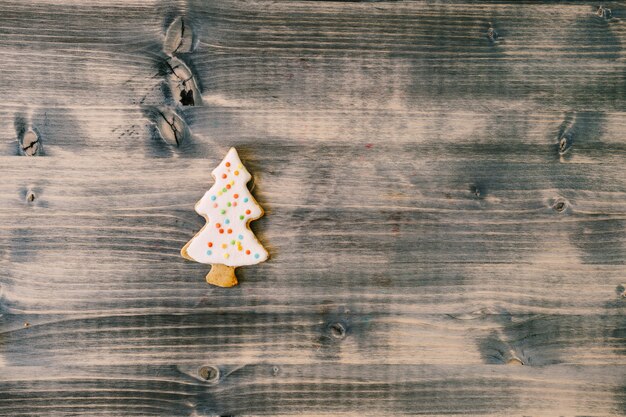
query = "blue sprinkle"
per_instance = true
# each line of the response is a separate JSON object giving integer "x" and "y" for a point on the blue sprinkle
{"x": 245, "y": 200}
{"x": 227, "y": 221}
{"x": 209, "y": 252}
{"x": 240, "y": 237}
{"x": 212, "y": 198}
{"x": 256, "y": 255}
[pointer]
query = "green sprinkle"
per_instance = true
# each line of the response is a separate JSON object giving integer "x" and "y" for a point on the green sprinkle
{"x": 224, "y": 190}
{"x": 232, "y": 242}
{"x": 228, "y": 204}
{"x": 223, "y": 211}
{"x": 241, "y": 217}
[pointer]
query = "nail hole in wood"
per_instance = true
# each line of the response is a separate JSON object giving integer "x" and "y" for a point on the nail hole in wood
{"x": 275, "y": 370}
{"x": 337, "y": 330}
{"x": 30, "y": 197}
{"x": 209, "y": 373}
{"x": 474, "y": 189}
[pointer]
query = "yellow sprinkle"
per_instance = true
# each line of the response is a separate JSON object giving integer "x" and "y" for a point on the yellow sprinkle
{"x": 226, "y": 255}
{"x": 240, "y": 166}
{"x": 219, "y": 193}
{"x": 232, "y": 182}
{"x": 224, "y": 245}
{"x": 239, "y": 248}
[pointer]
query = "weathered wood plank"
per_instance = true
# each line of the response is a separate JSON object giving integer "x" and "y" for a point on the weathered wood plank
{"x": 367, "y": 335}
{"x": 335, "y": 56}
{"x": 314, "y": 390}
{"x": 434, "y": 134}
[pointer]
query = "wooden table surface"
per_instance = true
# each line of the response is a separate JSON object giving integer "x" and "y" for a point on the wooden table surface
{"x": 445, "y": 195}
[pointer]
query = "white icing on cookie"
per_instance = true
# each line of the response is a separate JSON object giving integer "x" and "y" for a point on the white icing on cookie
{"x": 228, "y": 207}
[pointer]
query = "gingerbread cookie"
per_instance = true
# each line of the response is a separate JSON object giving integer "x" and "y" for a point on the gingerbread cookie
{"x": 226, "y": 242}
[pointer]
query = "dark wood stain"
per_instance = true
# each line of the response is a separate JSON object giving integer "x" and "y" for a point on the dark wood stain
{"x": 445, "y": 196}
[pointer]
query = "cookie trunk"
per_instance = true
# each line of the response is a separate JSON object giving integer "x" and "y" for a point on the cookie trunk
{"x": 222, "y": 275}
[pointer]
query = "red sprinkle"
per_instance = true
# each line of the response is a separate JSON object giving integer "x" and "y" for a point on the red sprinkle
{"x": 236, "y": 196}
{"x": 223, "y": 175}
{"x": 227, "y": 164}
{"x": 234, "y": 204}
{"x": 218, "y": 225}
{"x": 230, "y": 230}
{"x": 210, "y": 244}
{"x": 247, "y": 211}
{"x": 221, "y": 230}
{"x": 248, "y": 252}
{"x": 228, "y": 186}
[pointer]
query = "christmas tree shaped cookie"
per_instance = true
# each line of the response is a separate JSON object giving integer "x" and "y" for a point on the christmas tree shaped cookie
{"x": 225, "y": 241}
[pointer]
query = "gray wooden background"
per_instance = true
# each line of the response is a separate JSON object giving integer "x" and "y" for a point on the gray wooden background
{"x": 445, "y": 194}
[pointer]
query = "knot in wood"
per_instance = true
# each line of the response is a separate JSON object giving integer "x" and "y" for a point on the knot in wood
{"x": 209, "y": 373}
{"x": 183, "y": 83}
{"x": 337, "y": 330}
{"x": 559, "y": 205}
{"x": 178, "y": 38}
{"x": 30, "y": 144}
{"x": 172, "y": 128}
{"x": 492, "y": 35}
{"x": 565, "y": 143}
{"x": 604, "y": 12}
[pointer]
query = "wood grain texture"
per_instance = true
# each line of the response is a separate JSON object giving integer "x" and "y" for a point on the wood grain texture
{"x": 445, "y": 196}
